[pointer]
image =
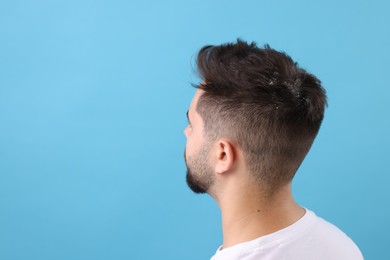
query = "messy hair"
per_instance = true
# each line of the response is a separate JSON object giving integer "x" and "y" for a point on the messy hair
{"x": 264, "y": 102}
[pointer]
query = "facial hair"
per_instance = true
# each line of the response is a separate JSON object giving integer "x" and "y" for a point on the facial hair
{"x": 199, "y": 175}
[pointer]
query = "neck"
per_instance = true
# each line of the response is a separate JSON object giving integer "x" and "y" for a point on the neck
{"x": 252, "y": 215}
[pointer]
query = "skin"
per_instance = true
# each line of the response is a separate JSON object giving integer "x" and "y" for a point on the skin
{"x": 248, "y": 212}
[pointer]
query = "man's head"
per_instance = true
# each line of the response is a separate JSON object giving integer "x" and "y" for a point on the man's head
{"x": 261, "y": 102}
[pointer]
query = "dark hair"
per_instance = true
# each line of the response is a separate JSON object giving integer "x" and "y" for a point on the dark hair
{"x": 264, "y": 102}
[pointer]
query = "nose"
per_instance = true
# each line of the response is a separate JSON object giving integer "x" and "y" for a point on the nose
{"x": 186, "y": 131}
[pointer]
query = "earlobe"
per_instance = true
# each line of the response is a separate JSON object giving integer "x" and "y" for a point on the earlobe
{"x": 225, "y": 156}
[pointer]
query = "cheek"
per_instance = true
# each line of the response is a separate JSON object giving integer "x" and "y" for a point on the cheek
{"x": 191, "y": 147}
{"x": 188, "y": 147}
{"x": 194, "y": 142}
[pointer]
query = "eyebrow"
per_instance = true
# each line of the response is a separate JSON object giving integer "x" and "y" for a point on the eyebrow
{"x": 188, "y": 118}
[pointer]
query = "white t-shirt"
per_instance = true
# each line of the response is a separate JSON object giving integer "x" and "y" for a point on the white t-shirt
{"x": 310, "y": 238}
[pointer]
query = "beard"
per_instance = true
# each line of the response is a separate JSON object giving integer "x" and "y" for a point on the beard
{"x": 199, "y": 175}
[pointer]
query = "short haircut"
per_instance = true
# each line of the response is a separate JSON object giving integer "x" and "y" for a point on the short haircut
{"x": 264, "y": 102}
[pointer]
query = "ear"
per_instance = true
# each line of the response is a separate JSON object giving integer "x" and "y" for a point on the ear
{"x": 225, "y": 156}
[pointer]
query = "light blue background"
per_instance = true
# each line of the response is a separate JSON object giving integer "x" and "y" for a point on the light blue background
{"x": 93, "y": 96}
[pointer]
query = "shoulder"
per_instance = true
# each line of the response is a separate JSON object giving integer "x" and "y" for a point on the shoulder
{"x": 309, "y": 238}
{"x": 328, "y": 239}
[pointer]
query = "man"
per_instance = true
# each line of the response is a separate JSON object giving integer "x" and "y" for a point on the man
{"x": 251, "y": 123}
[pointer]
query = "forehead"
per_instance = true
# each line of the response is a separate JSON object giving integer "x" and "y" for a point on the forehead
{"x": 195, "y": 100}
